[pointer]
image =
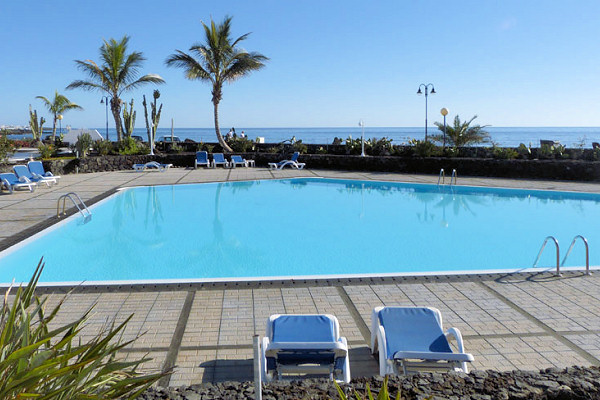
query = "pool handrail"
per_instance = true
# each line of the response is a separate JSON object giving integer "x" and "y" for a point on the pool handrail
{"x": 587, "y": 253}
{"x": 557, "y": 253}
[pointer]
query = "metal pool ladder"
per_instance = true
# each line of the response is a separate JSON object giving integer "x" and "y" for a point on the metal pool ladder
{"x": 442, "y": 177}
{"x": 587, "y": 253}
{"x": 74, "y": 197}
{"x": 558, "y": 263}
{"x": 557, "y": 253}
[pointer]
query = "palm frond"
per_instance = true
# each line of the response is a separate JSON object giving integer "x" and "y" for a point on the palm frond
{"x": 149, "y": 78}
{"x": 85, "y": 85}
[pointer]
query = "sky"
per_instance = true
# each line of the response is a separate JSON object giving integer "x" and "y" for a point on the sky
{"x": 332, "y": 63}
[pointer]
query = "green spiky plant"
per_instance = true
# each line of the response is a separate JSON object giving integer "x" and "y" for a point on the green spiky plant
{"x": 116, "y": 74}
{"x": 462, "y": 133}
{"x": 218, "y": 60}
{"x": 37, "y": 126}
{"x": 45, "y": 363}
{"x": 384, "y": 393}
{"x": 154, "y": 117}
{"x": 128, "y": 119}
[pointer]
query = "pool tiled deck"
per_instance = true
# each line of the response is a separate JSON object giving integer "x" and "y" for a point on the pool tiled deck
{"x": 517, "y": 321}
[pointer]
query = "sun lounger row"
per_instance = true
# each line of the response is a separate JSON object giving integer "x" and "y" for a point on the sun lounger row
{"x": 27, "y": 177}
{"x": 219, "y": 159}
{"x": 405, "y": 339}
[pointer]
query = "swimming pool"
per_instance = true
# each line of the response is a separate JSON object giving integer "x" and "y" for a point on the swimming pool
{"x": 305, "y": 227}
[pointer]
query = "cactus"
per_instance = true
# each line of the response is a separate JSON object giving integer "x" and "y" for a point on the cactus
{"x": 36, "y": 127}
{"x": 154, "y": 116}
{"x": 128, "y": 119}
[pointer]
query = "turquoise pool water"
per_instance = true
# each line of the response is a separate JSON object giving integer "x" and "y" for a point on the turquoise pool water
{"x": 304, "y": 227}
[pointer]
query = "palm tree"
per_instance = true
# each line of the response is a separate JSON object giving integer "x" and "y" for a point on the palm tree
{"x": 461, "y": 133}
{"x": 116, "y": 74}
{"x": 217, "y": 61}
{"x": 58, "y": 106}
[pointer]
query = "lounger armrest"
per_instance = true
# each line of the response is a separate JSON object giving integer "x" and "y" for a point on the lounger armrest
{"x": 339, "y": 348}
{"x": 24, "y": 179}
{"x": 457, "y": 335}
{"x": 433, "y": 355}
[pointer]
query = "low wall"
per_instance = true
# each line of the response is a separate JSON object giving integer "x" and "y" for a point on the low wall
{"x": 576, "y": 170}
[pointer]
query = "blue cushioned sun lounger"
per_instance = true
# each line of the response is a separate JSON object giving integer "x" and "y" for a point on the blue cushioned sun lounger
{"x": 37, "y": 170}
{"x": 411, "y": 339}
{"x": 152, "y": 165}
{"x": 238, "y": 160}
{"x": 219, "y": 159}
{"x": 10, "y": 181}
{"x": 201, "y": 159}
{"x": 304, "y": 344}
{"x": 292, "y": 162}
{"x": 23, "y": 172}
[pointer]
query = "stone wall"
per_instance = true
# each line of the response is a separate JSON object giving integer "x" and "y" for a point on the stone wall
{"x": 573, "y": 383}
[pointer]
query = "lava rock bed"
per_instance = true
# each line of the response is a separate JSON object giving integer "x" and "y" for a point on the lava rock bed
{"x": 549, "y": 384}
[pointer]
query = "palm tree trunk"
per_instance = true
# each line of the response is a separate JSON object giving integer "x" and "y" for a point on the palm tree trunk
{"x": 115, "y": 107}
{"x": 54, "y": 130}
{"x": 222, "y": 142}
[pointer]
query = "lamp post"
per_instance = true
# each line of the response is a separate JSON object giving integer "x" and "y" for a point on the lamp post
{"x": 444, "y": 111}
{"x": 105, "y": 102}
{"x": 361, "y": 123}
{"x": 59, "y": 117}
{"x": 426, "y": 87}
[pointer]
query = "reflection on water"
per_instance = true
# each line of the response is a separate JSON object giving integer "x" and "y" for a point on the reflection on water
{"x": 309, "y": 227}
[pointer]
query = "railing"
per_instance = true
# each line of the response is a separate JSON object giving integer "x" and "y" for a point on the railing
{"x": 587, "y": 253}
{"x": 557, "y": 253}
{"x": 74, "y": 197}
{"x": 442, "y": 177}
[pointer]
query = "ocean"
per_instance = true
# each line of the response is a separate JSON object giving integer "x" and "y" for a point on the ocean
{"x": 503, "y": 136}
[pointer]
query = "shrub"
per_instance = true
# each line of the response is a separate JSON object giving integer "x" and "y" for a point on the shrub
{"x": 128, "y": 146}
{"x": 240, "y": 144}
{"x": 299, "y": 147}
{"x": 504, "y": 153}
{"x": 424, "y": 148}
{"x": 83, "y": 144}
{"x": 176, "y": 148}
{"x": 46, "y": 150}
{"x": 40, "y": 360}
{"x": 524, "y": 151}
{"x": 379, "y": 147}
{"x": 6, "y": 147}
{"x": 321, "y": 150}
{"x": 103, "y": 147}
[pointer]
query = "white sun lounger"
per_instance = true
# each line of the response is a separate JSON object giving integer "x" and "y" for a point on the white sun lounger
{"x": 304, "y": 344}
{"x": 201, "y": 159}
{"x": 10, "y": 181}
{"x": 37, "y": 170}
{"x": 152, "y": 165}
{"x": 410, "y": 339}
{"x": 292, "y": 162}
{"x": 219, "y": 159}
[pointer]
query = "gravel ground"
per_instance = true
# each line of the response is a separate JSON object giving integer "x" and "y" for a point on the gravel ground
{"x": 566, "y": 384}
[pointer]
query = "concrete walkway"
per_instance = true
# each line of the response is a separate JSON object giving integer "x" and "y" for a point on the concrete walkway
{"x": 519, "y": 321}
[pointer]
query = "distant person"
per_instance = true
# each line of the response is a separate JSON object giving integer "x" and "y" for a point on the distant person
{"x": 229, "y": 134}
{"x": 234, "y": 135}
{"x": 243, "y": 135}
